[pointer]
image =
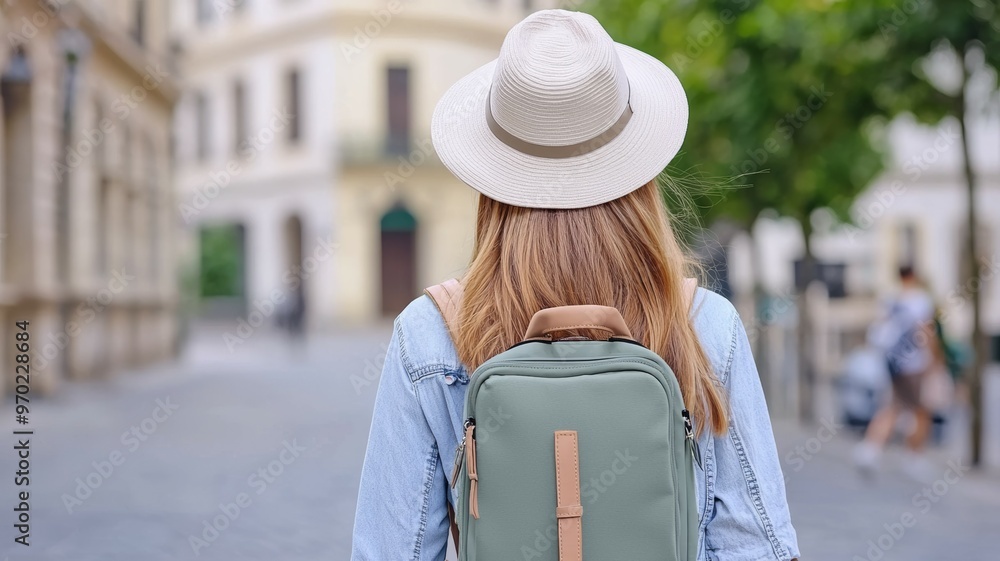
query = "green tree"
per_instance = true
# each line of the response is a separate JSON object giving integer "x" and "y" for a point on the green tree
{"x": 773, "y": 92}
{"x": 914, "y": 37}
{"x": 220, "y": 262}
{"x": 778, "y": 107}
{"x": 749, "y": 67}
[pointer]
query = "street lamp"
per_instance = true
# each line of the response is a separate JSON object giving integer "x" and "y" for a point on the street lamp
{"x": 75, "y": 46}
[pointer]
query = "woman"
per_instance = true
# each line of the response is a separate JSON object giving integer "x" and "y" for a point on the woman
{"x": 563, "y": 136}
{"x": 908, "y": 337}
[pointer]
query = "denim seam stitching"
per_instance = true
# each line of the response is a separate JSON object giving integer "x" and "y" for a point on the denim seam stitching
{"x": 428, "y": 370}
{"x": 732, "y": 347}
{"x": 404, "y": 357}
{"x": 414, "y": 373}
{"x": 754, "y": 488}
{"x": 430, "y": 470}
{"x": 709, "y": 484}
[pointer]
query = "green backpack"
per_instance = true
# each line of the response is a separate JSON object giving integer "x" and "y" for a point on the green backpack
{"x": 573, "y": 447}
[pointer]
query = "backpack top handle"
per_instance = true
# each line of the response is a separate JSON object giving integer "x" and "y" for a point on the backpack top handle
{"x": 565, "y": 318}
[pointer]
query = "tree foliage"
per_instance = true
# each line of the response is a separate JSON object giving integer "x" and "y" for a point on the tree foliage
{"x": 779, "y": 93}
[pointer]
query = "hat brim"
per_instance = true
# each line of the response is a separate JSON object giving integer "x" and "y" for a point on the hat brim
{"x": 652, "y": 137}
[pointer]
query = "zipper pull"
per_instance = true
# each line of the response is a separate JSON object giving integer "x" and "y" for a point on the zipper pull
{"x": 470, "y": 466}
{"x": 689, "y": 436}
{"x": 459, "y": 460}
{"x": 460, "y": 453}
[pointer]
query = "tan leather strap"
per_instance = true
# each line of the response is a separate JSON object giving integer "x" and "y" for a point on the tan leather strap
{"x": 564, "y": 318}
{"x": 472, "y": 470}
{"x": 447, "y": 296}
{"x": 569, "y": 512}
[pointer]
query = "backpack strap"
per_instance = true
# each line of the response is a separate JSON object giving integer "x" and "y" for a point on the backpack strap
{"x": 447, "y": 296}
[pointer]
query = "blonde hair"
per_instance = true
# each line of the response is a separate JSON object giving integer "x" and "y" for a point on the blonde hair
{"x": 622, "y": 253}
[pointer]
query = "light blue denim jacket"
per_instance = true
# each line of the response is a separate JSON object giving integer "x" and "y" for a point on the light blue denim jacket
{"x": 402, "y": 510}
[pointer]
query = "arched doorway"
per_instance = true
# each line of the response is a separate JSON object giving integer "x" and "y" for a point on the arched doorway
{"x": 399, "y": 259}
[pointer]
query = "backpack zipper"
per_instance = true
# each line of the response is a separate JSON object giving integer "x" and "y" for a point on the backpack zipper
{"x": 460, "y": 452}
{"x": 689, "y": 436}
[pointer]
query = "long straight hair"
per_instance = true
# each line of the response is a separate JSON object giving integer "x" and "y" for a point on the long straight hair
{"x": 622, "y": 253}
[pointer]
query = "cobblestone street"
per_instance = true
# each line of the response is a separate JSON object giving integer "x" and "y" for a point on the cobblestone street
{"x": 135, "y": 468}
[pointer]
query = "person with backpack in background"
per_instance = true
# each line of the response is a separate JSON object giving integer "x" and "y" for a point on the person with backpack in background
{"x": 574, "y": 395}
{"x": 908, "y": 337}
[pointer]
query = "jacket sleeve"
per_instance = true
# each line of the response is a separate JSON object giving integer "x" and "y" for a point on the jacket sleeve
{"x": 750, "y": 519}
{"x": 402, "y": 510}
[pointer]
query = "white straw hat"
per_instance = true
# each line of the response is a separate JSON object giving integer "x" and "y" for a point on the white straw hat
{"x": 564, "y": 118}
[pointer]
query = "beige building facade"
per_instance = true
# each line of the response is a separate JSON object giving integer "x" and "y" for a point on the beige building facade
{"x": 405, "y": 222}
{"x": 85, "y": 199}
{"x": 354, "y": 209}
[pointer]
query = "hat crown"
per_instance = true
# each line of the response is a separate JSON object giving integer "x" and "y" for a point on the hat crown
{"x": 558, "y": 80}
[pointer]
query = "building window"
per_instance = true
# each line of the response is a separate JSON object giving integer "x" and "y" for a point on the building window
{"x": 201, "y": 126}
{"x": 529, "y": 5}
{"x": 139, "y": 25}
{"x": 293, "y": 94}
{"x": 205, "y": 12}
{"x": 239, "y": 114}
{"x": 398, "y": 110}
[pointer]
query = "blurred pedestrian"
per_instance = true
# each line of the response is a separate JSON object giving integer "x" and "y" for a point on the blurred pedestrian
{"x": 292, "y": 315}
{"x": 907, "y": 336}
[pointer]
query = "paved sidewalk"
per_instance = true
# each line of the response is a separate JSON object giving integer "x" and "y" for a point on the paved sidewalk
{"x": 256, "y": 454}
{"x": 841, "y": 516}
